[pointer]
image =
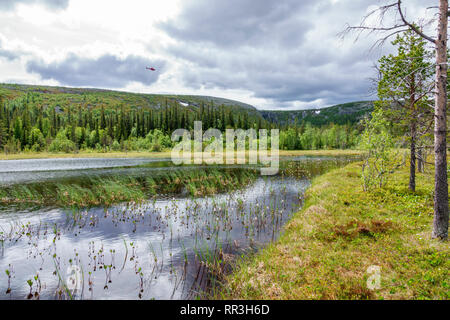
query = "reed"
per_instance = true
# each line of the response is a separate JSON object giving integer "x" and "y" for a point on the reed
{"x": 96, "y": 191}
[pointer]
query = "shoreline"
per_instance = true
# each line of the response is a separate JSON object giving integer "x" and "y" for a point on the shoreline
{"x": 327, "y": 249}
{"x": 159, "y": 155}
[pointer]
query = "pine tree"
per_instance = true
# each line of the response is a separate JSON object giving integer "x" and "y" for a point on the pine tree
{"x": 3, "y": 133}
{"x": 230, "y": 119}
{"x": 102, "y": 118}
{"x": 80, "y": 117}
{"x": 404, "y": 90}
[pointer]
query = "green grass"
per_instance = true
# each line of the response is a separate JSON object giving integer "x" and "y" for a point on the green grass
{"x": 327, "y": 247}
{"x": 114, "y": 189}
{"x": 158, "y": 155}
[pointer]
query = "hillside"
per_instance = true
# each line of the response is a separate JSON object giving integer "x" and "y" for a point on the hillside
{"x": 350, "y": 112}
{"x": 63, "y": 97}
{"x": 95, "y": 98}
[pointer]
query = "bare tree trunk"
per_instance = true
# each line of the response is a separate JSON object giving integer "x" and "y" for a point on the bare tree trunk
{"x": 412, "y": 161}
{"x": 440, "y": 221}
{"x": 420, "y": 160}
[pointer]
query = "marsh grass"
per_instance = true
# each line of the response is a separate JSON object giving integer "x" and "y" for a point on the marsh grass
{"x": 95, "y": 191}
{"x": 327, "y": 247}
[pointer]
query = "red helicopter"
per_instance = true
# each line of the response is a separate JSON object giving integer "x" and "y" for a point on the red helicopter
{"x": 150, "y": 68}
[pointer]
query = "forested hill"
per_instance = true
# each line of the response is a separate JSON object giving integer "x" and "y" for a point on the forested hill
{"x": 92, "y": 98}
{"x": 58, "y": 119}
{"x": 64, "y": 100}
{"x": 345, "y": 113}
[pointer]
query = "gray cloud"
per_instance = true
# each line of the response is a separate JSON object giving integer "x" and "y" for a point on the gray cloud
{"x": 8, "y": 54}
{"x": 51, "y": 4}
{"x": 241, "y": 22}
{"x": 107, "y": 71}
{"x": 286, "y": 51}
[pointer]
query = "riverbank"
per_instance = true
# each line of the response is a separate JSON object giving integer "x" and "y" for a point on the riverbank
{"x": 328, "y": 247}
{"x": 156, "y": 155}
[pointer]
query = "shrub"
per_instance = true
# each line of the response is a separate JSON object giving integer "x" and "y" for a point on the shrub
{"x": 62, "y": 143}
{"x": 380, "y": 159}
{"x": 115, "y": 146}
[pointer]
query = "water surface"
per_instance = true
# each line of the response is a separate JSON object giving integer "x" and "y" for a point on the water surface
{"x": 31, "y": 170}
{"x": 165, "y": 248}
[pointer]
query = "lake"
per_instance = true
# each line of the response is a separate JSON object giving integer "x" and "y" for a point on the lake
{"x": 170, "y": 246}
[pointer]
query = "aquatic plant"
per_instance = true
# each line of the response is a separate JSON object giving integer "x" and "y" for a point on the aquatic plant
{"x": 95, "y": 191}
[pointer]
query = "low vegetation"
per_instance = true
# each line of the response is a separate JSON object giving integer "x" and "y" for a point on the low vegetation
{"x": 326, "y": 250}
{"x": 95, "y": 191}
{"x": 159, "y": 155}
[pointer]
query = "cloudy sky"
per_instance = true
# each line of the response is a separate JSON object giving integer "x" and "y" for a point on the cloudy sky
{"x": 273, "y": 54}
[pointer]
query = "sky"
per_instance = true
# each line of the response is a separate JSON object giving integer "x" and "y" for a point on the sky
{"x": 273, "y": 54}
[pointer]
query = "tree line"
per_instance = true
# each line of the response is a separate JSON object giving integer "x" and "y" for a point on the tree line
{"x": 28, "y": 125}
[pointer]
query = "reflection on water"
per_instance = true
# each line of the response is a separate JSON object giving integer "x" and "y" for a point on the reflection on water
{"x": 71, "y": 163}
{"x": 160, "y": 238}
{"x": 30, "y": 170}
{"x": 161, "y": 248}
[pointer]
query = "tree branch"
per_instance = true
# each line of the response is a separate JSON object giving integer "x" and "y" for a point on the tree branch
{"x": 410, "y": 25}
{"x": 397, "y": 24}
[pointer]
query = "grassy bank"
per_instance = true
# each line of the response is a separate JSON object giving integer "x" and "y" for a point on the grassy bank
{"x": 327, "y": 247}
{"x": 148, "y": 154}
{"x": 94, "y": 191}
{"x": 83, "y": 154}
